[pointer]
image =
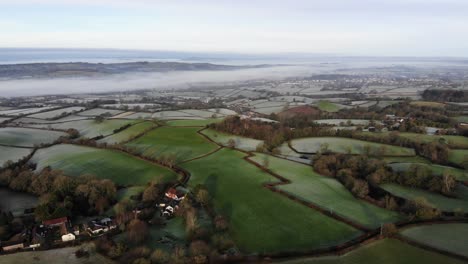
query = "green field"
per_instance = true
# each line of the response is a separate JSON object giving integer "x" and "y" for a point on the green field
{"x": 346, "y": 145}
{"x": 326, "y": 192}
{"x": 183, "y": 142}
{"x": 261, "y": 220}
{"x": 128, "y": 133}
{"x": 28, "y": 137}
{"x": 386, "y": 251}
{"x": 12, "y": 154}
{"x": 328, "y": 106}
{"x": 448, "y": 237}
{"x": 438, "y": 201}
{"x": 16, "y": 202}
{"x": 55, "y": 256}
{"x": 247, "y": 144}
{"x": 89, "y": 128}
{"x": 56, "y": 113}
{"x": 194, "y": 122}
{"x": 459, "y": 157}
{"x": 461, "y": 175}
{"x": 119, "y": 167}
{"x": 463, "y": 119}
{"x": 452, "y": 141}
{"x": 414, "y": 159}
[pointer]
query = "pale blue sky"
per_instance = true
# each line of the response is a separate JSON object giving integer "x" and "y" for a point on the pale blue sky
{"x": 348, "y": 27}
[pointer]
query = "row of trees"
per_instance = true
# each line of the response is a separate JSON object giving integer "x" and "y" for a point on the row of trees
{"x": 60, "y": 195}
{"x": 362, "y": 175}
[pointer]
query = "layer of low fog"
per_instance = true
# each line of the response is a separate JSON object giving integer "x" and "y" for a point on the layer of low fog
{"x": 136, "y": 81}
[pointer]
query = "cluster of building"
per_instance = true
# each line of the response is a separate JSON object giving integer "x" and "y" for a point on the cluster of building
{"x": 170, "y": 202}
{"x": 55, "y": 232}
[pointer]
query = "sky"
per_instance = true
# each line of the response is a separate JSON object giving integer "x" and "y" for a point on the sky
{"x": 436, "y": 28}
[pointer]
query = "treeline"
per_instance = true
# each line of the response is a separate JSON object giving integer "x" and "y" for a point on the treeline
{"x": 60, "y": 195}
{"x": 362, "y": 176}
{"x": 445, "y": 95}
{"x": 274, "y": 134}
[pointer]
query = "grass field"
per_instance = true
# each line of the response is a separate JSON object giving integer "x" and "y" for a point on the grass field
{"x": 414, "y": 159}
{"x": 452, "y": 141}
{"x": 328, "y": 106}
{"x": 27, "y": 137}
{"x": 184, "y": 142}
{"x": 247, "y": 144}
{"x": 326, "y": 192}
{"x": 128, "y": 133}
{"x": 428, "y": 104}
{"x": 461, "y": 119}
{"x": 459, "y": 157}
{"x": 337, "y": 122}
{"x": 439, "y": 201}
{"x": 12, "y": 154}
{"x": 119, "y": 167}
{"x": 99, "y": 111}
{"x": 346, "y": 145}
{"x": 386, "y": 251}
{"x": 16, "y": 202}
{"x": 55, "y": 256}
{"x": 261, "y": 220}
{"x": 200, "y": 123}
{"x": 90, "y": 128}
{"x": 449, "y": 237}
{"x": 56, "y": 113}
{"x": 461, "y": 175}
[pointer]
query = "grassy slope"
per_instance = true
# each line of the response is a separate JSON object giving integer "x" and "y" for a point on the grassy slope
{"x": 26, "y": 137}
{"x": 461, "y": 175}
{"x": 184, "y": 142}
{"x": 55, "y": 256}
{"x": 458, "y": 156}
{"x": 449, "y": 237}
{"x": 340, "y": 145}
{"x": 388, "y": 251}
{"x": 261, "y": 220}
{"x": 452, "y": 141}
{"x": 439, "y": 201}
{"x": 13, "y": 154}
{"x": 90, "y": 128}
{"x": 328, "y": 106}
{"x": 128, "y": 133}
{"x": 326, "y": 192}
{"x": 201, "y": 123}
{"x": 121, "y": 168}
{"x": 247, "y": 144}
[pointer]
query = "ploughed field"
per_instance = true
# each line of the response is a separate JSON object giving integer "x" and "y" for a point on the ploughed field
{"x": 347, "y": 146}
{"x": 182, "y": 142}
{"x": 121, "y": 168}
{"x": 326, "y": 192}
{"x": 261, "y": 220}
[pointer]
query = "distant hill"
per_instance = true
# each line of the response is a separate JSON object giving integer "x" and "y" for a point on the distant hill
{"x": 80, "y": 69}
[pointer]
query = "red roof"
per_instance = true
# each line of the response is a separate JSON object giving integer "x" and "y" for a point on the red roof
{"x": 55, "y": 221}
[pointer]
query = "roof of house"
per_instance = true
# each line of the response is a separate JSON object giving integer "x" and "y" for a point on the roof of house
{"x": 55, "y": 221}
